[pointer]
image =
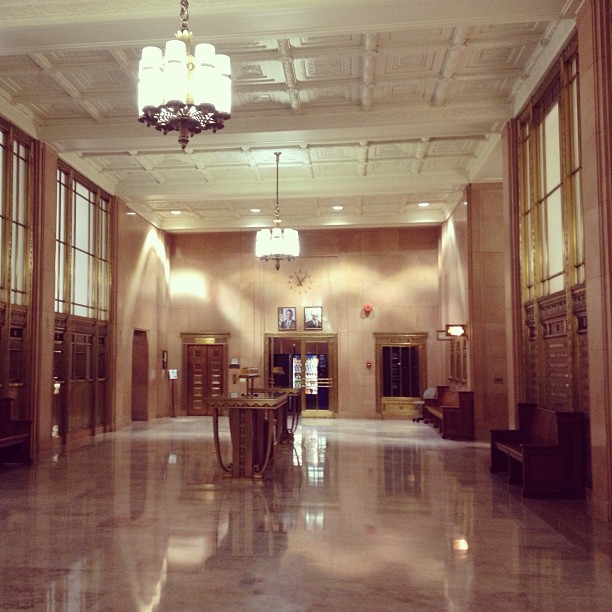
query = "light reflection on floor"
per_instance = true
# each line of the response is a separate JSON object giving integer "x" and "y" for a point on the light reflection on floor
{"x": 356, "y": 515}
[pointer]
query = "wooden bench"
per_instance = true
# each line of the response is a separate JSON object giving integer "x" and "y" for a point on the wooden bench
{"x": 452, "y": 412}
{"x": 14, "y": 436}
{"x": 545, "y": 455}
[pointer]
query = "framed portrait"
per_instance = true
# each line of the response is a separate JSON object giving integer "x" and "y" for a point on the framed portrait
{"x": 313, "y": 317}
{"x": 286, "y": 318}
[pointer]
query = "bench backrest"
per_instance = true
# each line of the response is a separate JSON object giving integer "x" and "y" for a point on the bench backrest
{"x": 539, "y": 425}
{"x": 450, "y": 397}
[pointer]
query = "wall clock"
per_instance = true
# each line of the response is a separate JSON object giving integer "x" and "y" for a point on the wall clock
{"x": 300, "y": 281}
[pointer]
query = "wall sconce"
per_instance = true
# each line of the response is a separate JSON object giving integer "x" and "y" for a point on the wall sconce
{"x": 456, "y": 330}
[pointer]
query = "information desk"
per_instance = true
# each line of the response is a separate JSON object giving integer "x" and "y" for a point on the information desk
{"x": 252, "y": 421}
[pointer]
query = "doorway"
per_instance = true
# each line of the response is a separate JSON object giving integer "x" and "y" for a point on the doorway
{"x": 306, "y": 362}
{"x": 140, "y": 360}
{"x": 401, "y": 374}
{"x": 206, "y": 366}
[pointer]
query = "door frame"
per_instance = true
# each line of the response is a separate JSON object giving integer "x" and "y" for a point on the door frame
{"x": 303, "y": 337}
{"x": 418, "y": 339}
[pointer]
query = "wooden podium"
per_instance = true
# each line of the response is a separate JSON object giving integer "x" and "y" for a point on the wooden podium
{"x": 252, "y": 421}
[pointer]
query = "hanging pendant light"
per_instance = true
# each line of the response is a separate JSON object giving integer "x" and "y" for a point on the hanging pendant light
{"x": 182, "y": 92}
{"x": 277, "y": 243}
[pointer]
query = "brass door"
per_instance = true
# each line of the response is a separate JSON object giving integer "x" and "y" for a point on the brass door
{"x": 401, "y": 373}
{"x": 205, "y": 376}
{"x": 306, "y": 362}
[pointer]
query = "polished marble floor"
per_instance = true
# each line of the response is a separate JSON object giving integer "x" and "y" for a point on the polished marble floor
{"x": 355, "y": 516}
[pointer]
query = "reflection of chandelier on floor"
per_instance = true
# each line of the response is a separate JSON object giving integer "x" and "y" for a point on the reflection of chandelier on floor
{"x": 277, "y": 243}
{"x": 183, "y": 92}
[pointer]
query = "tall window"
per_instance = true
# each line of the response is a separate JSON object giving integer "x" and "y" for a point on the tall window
{"x": 15, "y": 226}
{"x": 549, "y": 187}
{"x": 555, "y": 339}
{"x": 82, "y": 254}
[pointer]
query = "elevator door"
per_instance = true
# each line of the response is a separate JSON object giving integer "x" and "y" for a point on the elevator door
{"x": 401, "y": 375}
{"x": 205, "y": 376}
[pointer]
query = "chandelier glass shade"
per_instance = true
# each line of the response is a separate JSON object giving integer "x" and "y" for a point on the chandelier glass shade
{"x": 277, "y": 243}
{"x": 178, "y": 91}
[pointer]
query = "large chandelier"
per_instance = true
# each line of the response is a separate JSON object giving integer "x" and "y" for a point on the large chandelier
{"x": 183, "y": 92}
{"x": 277, "y": 243}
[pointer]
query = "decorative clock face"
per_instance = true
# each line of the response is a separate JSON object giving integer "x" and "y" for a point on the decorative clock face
{"x": 300, "y": 281}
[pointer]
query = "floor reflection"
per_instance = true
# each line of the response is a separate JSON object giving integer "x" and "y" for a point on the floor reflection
{"x": 356, "y": 515}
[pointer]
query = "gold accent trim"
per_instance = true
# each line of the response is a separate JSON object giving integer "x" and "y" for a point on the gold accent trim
{"x": 202, "y": 338}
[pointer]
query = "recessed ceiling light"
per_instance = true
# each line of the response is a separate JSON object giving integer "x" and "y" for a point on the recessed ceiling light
{"x": 176, "y": 212}
{"x": 337, "y": 207}
{"x": 130, "y": 213}
{"x": 255, "y": 210}
{"x": 423, "y": 204}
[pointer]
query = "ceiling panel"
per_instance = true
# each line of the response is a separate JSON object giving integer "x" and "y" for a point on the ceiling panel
{"x": 373, "y": 105}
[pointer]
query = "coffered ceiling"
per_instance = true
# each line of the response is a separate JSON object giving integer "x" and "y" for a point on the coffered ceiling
{"x": 376, "y": 106}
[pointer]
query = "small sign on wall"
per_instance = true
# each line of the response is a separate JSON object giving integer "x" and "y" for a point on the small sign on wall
{"x": 173, "y": 374}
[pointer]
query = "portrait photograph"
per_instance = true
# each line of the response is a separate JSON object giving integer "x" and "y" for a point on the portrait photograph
{"x": 313, "y": 317}
{"x": 286, "y": 318}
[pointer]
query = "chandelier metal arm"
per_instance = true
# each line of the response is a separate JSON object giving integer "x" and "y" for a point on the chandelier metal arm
{"x": 184, "y": 14}
{"x": 277, "y": 244}
{"x": 277, "y": 218}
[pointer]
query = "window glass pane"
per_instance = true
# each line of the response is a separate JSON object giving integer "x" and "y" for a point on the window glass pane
{"x": 62, "y": 199}
{"x": 579, "y": 220}
{"x": 528, "y": 246}
{"x": 554, "y": 233}
{"x": 103, "y": 297}
{"x": 80, "y": 277}
{"x": 18, "y": 264}
{"x": 552, "y": 148}
{"x": 60, "y": 255}
{"x": 575, "y": 123}
{"x": 556, "y": 284}
{"x": 19, "y": 183}
{"x": 81, "y": 223}
{"x": 102, "y": 234}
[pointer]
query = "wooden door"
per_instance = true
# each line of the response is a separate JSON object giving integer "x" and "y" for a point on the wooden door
{"x": 205, "y": 375}
{"x": 140, "y": 372}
